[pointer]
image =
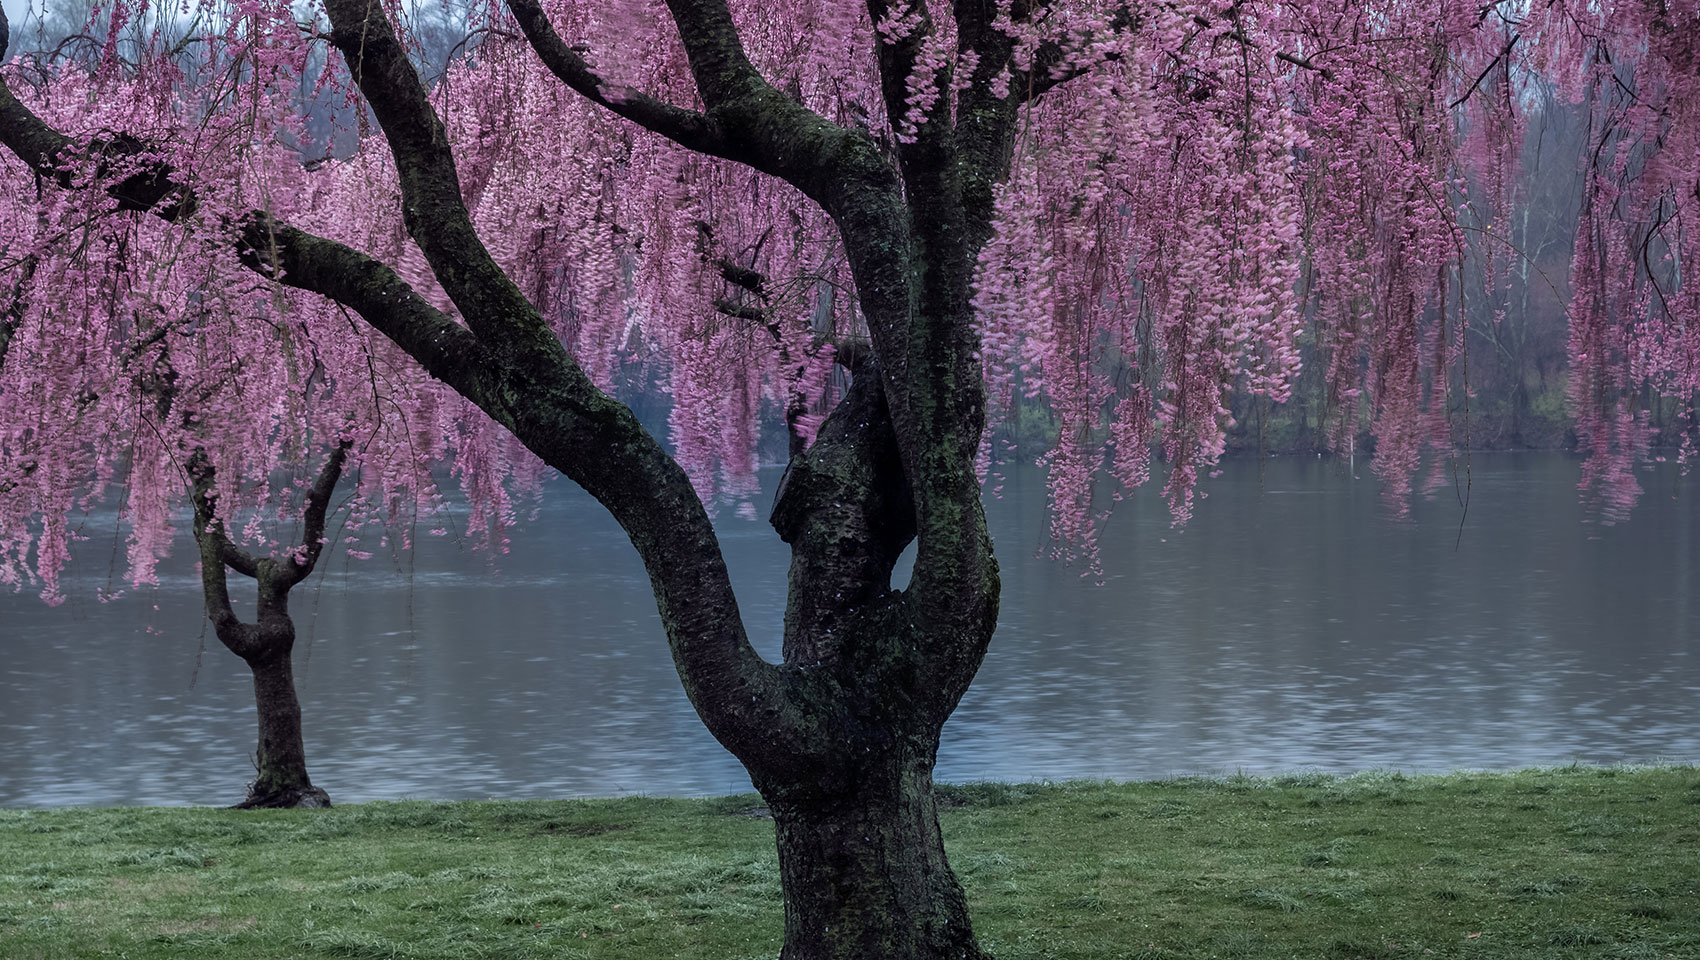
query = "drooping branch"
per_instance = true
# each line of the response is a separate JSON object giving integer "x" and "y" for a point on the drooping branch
{"x": 369, "y": 287}
{"x": 1051, "y": 66}
{"x": 14, "y": 313}
{"x": 1509, "y": 44}
{"x": 843, "y": 171}
{"x": 730, "y": 270}
{"x": 272, "y": 248}
{"x": 721, "y": 68}
{"x": 915, "y": 83}
{"x": 746, "y": 120}
{"x": 985, "y": 121}
{"x": 529, "y": 383}
{"x": 57, "y": 157}
{"x": 899, "y": 41}
{"x": 685, "y": 127}
{"x": 9, "y": 322}
{"x": 794, "y": 367}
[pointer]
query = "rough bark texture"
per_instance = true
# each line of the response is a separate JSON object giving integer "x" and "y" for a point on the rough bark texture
{"x": 281, "y": 758}
{"x": 861, "y": 858}
{"x": 864, "y": 869}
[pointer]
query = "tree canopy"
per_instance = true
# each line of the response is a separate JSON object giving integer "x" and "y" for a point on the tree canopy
{"x": 1196, "y": 201}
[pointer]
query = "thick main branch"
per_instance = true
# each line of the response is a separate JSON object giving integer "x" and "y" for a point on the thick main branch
{"x": 432, "y": 207}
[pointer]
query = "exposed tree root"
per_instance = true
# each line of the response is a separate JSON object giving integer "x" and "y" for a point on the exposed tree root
{"x": 309, "y": 797}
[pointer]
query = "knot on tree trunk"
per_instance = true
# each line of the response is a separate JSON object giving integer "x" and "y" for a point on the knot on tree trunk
{"x": 855, "y": 463}
{"x": 846, "y": 508}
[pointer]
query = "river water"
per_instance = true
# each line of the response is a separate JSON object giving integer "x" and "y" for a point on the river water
{"x": 1294, "y": 624}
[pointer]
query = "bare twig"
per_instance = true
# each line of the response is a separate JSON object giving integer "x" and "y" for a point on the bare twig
{"x": 1488, "y": 69}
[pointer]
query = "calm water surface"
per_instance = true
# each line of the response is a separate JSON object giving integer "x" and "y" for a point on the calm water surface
{"x": 1293, "y": 624}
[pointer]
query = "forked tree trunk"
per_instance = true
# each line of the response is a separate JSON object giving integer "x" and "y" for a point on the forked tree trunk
{"x": 865, "y": 875}
{"x": 861, "y": 859}
{"x": 280, "y": 760}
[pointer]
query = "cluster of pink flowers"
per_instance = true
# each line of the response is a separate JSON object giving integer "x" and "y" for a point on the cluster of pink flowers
{"x": 1202, "y": 204}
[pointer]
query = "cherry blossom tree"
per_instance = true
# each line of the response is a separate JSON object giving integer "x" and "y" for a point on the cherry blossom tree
{"x": 878, "y": 222}
{"x": 266, "y": 645}
{"x": 189, "y": 379}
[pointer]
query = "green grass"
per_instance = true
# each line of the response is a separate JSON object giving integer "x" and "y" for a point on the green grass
{"x": 1568, "y": 863}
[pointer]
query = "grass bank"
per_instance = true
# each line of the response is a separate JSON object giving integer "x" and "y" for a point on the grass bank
{"x": 1578, "y": 862}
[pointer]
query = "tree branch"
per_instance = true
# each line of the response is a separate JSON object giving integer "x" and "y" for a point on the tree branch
{"x": 217, "y": 552}
{"x": 747, "y": 120}
{"x": 843, "y": 171}
{"x": 274, "y": 249}
{"x": 296, "y": 258}
{"x": 731, "y": 271}
{"x": 55, "y": 157}
{"x": 927, "y": 154}
{"x": 739, "y": 276}
{"x": 14, "y": 314}
{"x": 1303, "y": 62}
{"x": 754, "y": 124}
{"x": 313, "y": 517}
{"x": 1488, "y": 69}
{"x": 985, "y": 123}
{"x": 743, "y": 312}
{"x": 524, "y": 378}
{"x": 432, "y": 207}
{"x": 1045, "y": 74}
{"x": 528, "y": 383}
{"x": 719, "y": 65}
{"x": 685, "y": 127}
{"x": 899, "y": 59}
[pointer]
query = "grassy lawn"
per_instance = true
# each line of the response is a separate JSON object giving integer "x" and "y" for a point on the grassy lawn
{"x": 1579, "y": 862}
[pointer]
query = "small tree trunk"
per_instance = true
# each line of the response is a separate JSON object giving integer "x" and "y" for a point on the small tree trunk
{"x": 864, "y": 871}
{"x": 281, "y": 758}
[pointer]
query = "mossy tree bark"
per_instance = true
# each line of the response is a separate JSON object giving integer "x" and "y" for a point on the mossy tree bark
{"x": 861, "y": 858}
{"x": 864, "y": 869}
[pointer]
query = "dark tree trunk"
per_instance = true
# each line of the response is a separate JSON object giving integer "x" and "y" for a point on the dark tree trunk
{"x": 864, "y": 870}
{"x": 861, "y": 858}
{"x": 280, "y": 758}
